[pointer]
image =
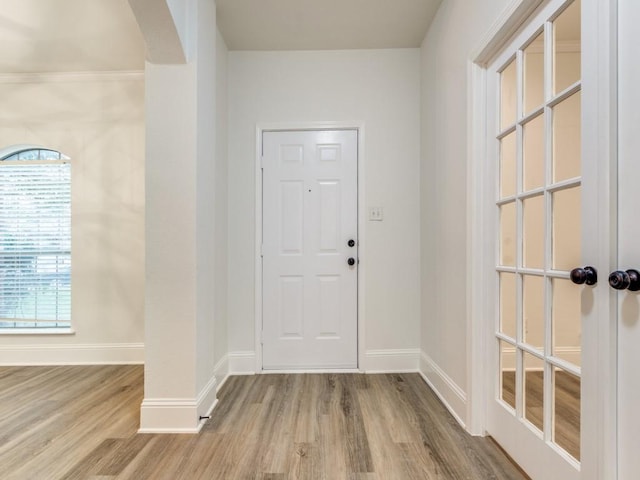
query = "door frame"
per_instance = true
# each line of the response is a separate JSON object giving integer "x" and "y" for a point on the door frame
{"x": 599, "y": 457}
{"x": 261, "y": 128}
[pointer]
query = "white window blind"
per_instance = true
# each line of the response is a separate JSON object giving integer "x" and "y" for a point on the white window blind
{"x": 35, "y": 244}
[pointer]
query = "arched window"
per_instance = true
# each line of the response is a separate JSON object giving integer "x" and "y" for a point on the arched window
{"x": 35, "y": 238}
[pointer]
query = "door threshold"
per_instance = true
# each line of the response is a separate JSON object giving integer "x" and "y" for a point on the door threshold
{"x": 310, "y": 370}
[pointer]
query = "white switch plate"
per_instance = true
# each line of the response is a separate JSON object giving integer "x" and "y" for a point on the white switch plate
{"x": 376, "y": 214}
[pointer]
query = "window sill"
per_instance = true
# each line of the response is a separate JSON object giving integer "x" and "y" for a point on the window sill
{"x": 37, "y": 331}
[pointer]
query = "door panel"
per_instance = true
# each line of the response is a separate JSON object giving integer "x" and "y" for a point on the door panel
{"x": 291, "y": 215}
{"x": 628, "y": 238}
{"x": 309, "y": 215}
{"x": 534, "y": 405}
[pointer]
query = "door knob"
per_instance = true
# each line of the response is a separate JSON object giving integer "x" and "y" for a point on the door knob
{"x": 621, "y": 280}
{"x": 351, "y": 261}
{"x": 588, "y": 275}
{"x": 351, "y": 243}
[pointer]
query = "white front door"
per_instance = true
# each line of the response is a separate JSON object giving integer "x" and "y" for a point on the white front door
{"x": 544, "y": 352}
{"x": 310, "y": 249}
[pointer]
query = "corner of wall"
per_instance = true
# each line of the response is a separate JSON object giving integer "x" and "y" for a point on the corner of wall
{"x": 450, "y": 394}
{"x": 242, "y": 363}
{"x": 221, "y": 371}
{"x": 178, "y": 415}
{"x": 391, "y": 360}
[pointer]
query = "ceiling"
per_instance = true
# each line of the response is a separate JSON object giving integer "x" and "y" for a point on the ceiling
{"x": 324, "y": 24}
{"x": 102, "y": 35}
{"x": 69, "y": 36}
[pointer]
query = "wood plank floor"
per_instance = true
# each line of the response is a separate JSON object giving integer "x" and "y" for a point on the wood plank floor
{"x": 80, "y": 423}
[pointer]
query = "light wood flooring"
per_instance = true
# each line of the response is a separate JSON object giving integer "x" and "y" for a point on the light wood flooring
{"x": 81, "y": 422}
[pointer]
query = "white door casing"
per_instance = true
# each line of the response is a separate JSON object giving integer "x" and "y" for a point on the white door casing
{"x": 598, "y": 450}
{"x": 309, "y": 291}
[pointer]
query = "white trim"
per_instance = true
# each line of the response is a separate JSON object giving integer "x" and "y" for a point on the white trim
{"x": 375, "y": 361}
{"x": 391, "y": 361}
{"x": 178, "y": 415}
{"x": 478, "y": 313}
{"x": 32, "y": 332}
{"x": 222, "y": 367}
{"x": 258, "y": 254}
{"x": 242, "y": 363}
{"x": 599, "y": 437}
{"x": 560, "y": 46}
{"x": 207, "y": 400}
{"x": 62, "y": 77}
{"x": 362, "y": 243}
{"x": 221, "y": 370}
{"x": 310, "y": 370}
{"x": 301, "y": 126}
{"x": 448, "y": 391}
{"x": 476, "y": 259}
{"x": 80, "y": 354}
{"x": 168, "y": 415}
{"x": 505, "y": 26}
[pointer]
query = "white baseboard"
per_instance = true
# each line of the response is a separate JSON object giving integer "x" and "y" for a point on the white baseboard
{"x": 375, "y": 361}
{"x": 242, "y": 363}
{"x": 70, "y": 354}
{"x": 178, "y": 415}
{"x": 391, "y": 361}
{"x": 169, "y": 415}
{"x": 450, "y": 394}
{"x": 207, "y": 400}
{"x": 222, "y": 371}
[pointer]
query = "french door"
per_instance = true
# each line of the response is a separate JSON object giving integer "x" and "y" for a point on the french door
{"x": 310, "y": 249}
{"x": 629, "y": 244}
{"x": 548, "y": 239}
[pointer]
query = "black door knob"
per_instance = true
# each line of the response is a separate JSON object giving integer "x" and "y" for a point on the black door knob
{"x": 588, "y": 275}
{"x": 351, "y": 243}
{"x": 621, "y": 280}
{"x": 351, "y": 261}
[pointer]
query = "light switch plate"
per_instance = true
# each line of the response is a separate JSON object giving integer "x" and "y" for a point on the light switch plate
{"x": 376, "y": 214}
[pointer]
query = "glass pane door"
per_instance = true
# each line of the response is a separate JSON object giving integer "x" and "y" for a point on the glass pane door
{"x": 538, "y": 334}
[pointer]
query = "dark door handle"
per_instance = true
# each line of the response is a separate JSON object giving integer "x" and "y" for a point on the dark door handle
{"x": 621, "y": 280}
{"x": 351, "y": 261}
{"x": 588, "y": 275}
{"x": 351, "y": 243}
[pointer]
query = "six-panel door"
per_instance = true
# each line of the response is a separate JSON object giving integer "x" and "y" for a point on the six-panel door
{"x": 310, "y": 204}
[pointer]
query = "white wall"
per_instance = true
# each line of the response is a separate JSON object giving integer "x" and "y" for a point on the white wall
{"x": 206, "y": 141}
{"x": 180, "y": 381}
{"x": 455, "y": 32}
{"x": 171, "y": 264}
{"x": 221, "y": 216}
{"x": 98, "y": 120}
{"x": 381, "y": 89}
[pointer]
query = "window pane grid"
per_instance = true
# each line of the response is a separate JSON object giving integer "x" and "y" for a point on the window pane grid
{"x": 35, "y": 244}
{"x": 534, "y": 200}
